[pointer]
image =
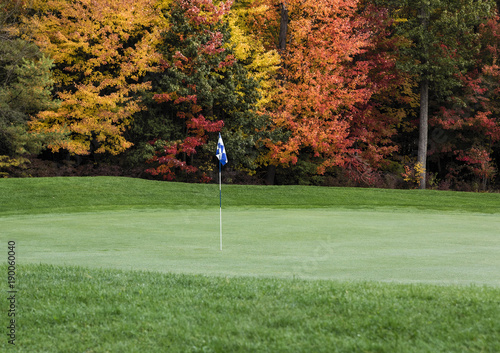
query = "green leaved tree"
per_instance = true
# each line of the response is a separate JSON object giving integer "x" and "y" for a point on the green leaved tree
{"x": 441, "y": 41}
{"x": 200, "y": 89}
{"x": 25, "y": 89}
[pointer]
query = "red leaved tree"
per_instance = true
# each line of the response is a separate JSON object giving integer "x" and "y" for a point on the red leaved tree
{"x": 470, "y": 123}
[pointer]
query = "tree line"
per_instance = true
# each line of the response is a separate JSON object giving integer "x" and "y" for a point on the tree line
{"x": 392, "y": 93}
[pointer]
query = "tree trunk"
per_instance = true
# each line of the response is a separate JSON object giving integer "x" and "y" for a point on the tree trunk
{"x": 424, "y": 103}
{"x": 424, "y": 130}
{"x": 270, "y": 175}
{"x": 283, "y": 27}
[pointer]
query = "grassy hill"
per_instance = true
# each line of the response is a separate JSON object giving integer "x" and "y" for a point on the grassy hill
{"x": 53, "y": 195}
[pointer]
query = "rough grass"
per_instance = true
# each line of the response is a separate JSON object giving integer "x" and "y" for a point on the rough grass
{"x": 70, "y": 309}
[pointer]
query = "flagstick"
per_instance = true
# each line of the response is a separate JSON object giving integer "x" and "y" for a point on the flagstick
{"x": 220, "y": 204}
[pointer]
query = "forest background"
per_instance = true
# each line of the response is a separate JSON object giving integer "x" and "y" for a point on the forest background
{"x": 382, "y": 93}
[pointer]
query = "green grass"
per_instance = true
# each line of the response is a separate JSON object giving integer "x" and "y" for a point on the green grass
{"x": 56, "y": 195}
{"x": 305, "y": 232}
{"x": 69, "y": 309}
{"x": 326, "y": 243}
{"x": 304, "y": 269}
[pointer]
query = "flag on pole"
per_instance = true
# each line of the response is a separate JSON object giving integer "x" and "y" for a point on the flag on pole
{"x": 221, "y": 151}
{"x": 221, "y": 155}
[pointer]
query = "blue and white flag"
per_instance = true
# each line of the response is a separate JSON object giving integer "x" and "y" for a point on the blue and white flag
{"x": 221, "y": 151}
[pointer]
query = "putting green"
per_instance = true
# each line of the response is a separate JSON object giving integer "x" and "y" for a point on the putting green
{"x": 380, "y": 245}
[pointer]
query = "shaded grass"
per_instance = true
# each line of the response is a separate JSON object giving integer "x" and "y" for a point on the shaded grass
{"x": 56, "y": 195}
{"x": 70, "y": 309}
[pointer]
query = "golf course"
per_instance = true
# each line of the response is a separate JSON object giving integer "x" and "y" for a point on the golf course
{"x": 108, "y": 264}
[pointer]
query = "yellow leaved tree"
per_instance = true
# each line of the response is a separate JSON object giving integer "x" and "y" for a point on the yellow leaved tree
{"x": 101, "y": 50}
{"x": 261, "y": 62}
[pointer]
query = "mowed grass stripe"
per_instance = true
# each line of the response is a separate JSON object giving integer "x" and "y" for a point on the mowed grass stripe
{"x": 417, "y": 246}
{"x": 63, "y": 195}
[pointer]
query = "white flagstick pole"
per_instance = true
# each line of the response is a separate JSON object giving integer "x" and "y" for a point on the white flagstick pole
{"x": 220, "y": 204}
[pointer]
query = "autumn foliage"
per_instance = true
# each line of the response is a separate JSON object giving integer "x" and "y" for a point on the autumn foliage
{"x": 101, "y": 50}
{"x": 328, "y": 77}
{"x": 311, "y": 89}
{"x": 194, "y": 51}
{"x": 201, "y": 88}
{"x": 470, "y": 119}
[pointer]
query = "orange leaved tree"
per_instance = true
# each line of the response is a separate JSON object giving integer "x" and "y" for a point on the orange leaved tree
{"x": 324, "y": 76}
